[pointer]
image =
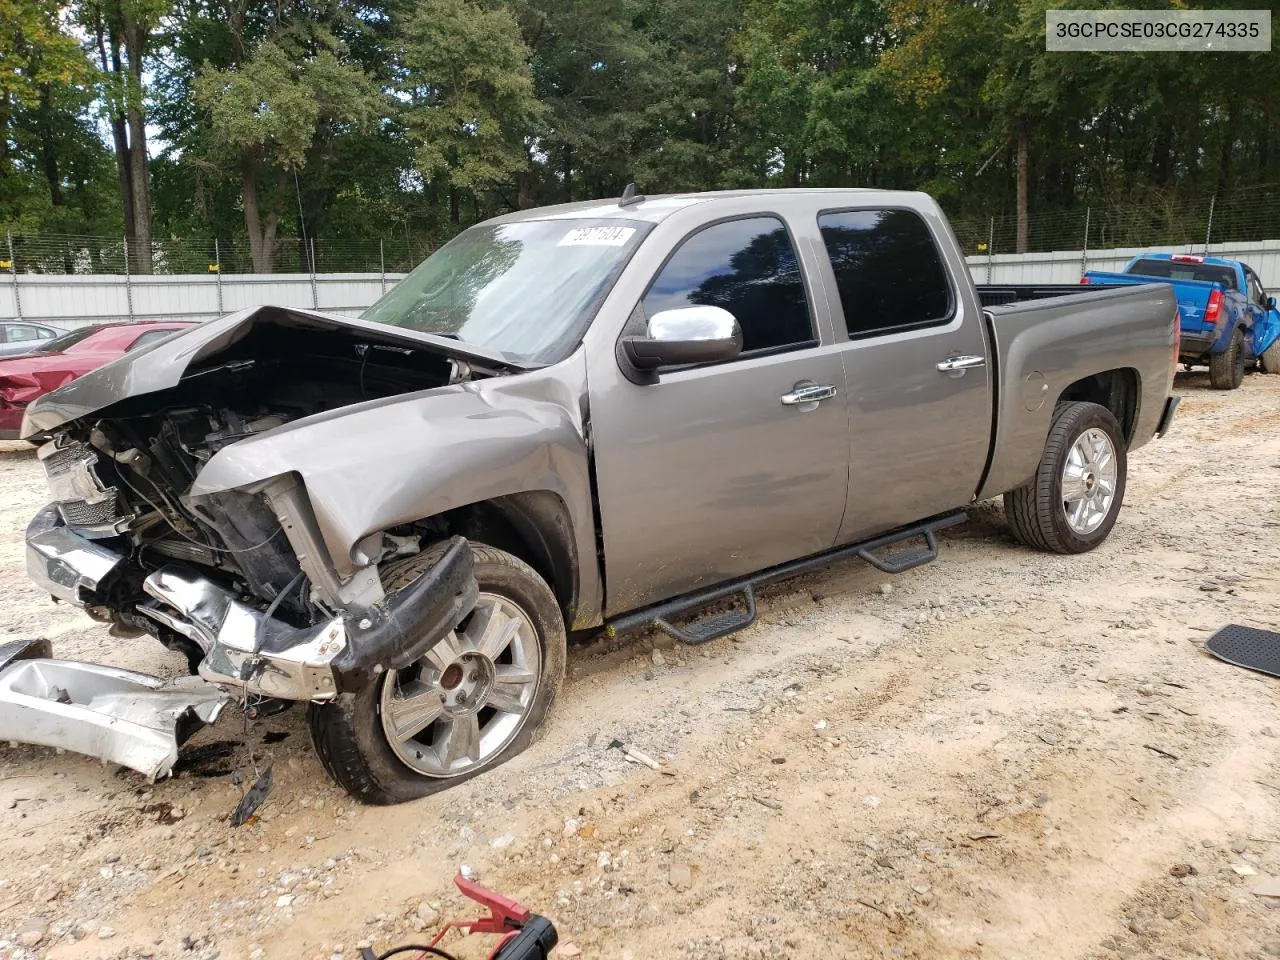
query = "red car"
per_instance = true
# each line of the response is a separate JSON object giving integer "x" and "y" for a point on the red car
{"x": 64, "y": 358}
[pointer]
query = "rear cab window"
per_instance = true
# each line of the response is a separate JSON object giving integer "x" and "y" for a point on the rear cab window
{"x": 747, "y": 266}
{"x": 1185, "y": 270}
{"x": 888, "y": 271}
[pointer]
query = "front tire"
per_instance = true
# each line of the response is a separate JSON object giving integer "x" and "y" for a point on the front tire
{"x": 1072, "y": 503}
{"x": 1226, "y": 369}
{"x": 1270, "y": 359}
{"x": 473, "y": 702}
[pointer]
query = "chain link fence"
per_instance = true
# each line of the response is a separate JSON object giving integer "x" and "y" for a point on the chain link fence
{"x": 1242, "y": 217}
{"x": 71, "y": 255}
{"x": 1237, "y": 217}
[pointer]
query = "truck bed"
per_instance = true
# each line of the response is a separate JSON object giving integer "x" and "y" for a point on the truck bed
{"x": 1043, "y": 344}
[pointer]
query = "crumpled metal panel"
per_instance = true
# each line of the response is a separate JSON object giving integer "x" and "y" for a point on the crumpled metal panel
{"x": 64, "y": 563}
{"x": 129, "y": 718}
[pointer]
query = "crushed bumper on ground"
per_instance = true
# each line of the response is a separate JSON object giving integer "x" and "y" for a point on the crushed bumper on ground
{"x": 140, "y": 721}
{"x": 117, "y": 715}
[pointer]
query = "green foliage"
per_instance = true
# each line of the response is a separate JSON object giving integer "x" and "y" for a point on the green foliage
{"x": 272, "y": 105}
{"x": 405, "y": 120}
{"x": 471, "y": 111}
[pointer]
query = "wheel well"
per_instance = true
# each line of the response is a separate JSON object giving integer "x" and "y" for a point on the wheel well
{"x": 533, "y": 526}
{"x": 1117, "y": 390}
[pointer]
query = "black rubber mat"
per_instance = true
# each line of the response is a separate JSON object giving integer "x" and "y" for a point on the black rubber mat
{"x": 1248, "y": 647}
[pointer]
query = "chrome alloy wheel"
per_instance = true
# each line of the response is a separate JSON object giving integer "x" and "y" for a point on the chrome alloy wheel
{"x": 1089, "y": 481}
{"x": 469, "y": 696}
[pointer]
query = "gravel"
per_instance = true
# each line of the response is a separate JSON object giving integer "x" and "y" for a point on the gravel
{"x": 999, "y": 694}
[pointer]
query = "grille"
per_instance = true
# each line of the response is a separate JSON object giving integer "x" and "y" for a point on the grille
{"x": 82, "y": 498}
{"x": 79, "y": 513}
{"x": 64, "y": 458}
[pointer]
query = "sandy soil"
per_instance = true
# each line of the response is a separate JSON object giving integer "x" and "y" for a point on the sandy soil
{"x": 1000, "y": 755}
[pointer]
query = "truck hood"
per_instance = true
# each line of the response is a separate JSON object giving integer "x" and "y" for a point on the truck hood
{"x": 166, "y": 363}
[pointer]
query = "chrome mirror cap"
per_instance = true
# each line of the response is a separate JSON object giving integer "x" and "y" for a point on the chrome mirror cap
{"x": 694, "y": 324}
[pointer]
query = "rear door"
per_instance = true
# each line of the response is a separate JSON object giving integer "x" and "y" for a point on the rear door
{"x": 917, "y": 366}
{"x": 709, "y": 473}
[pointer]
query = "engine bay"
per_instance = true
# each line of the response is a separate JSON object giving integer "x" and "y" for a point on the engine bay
{"x": 126, "y": 474}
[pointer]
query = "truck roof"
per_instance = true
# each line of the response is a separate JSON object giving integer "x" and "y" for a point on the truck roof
{"x": 654, "y": 209}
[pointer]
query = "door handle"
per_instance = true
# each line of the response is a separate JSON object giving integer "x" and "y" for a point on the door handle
{"x": 956, "y": 366}
{"x": 809, "y": 394}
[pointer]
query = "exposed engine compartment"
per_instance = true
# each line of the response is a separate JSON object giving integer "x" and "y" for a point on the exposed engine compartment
{"x": 124, "y": 475}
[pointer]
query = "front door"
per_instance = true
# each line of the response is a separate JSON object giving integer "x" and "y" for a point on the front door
{"x": 712, "y": 472}
{"x": 1266, "y": 318}
{"x": 916, "y": 370}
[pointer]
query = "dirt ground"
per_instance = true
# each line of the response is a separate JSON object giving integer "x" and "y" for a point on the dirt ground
{"x": 1000, "y": 755}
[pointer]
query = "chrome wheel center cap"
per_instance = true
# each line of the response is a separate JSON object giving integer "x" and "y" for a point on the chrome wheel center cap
{"x": 465, "y": 684}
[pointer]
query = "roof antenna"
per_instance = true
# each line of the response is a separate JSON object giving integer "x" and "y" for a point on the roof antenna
{"x": 629, "y": 196}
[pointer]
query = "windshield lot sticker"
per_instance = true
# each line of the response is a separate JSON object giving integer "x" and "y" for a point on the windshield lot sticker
{"x": 596, "y": 237}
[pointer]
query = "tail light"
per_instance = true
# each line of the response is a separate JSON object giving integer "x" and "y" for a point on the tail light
{"x": 1085, "y": 280}
{"x": 1213, "y": 309}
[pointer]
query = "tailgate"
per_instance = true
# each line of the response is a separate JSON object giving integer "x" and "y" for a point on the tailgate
{"x": 1193, "y": 299}
{"x": 1193, "y": 296}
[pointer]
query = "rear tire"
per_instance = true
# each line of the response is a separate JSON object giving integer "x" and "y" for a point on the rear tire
{"x": 1270, "y": 359}
{"x": 1226, "y": 369}
{"x": 1072, "y": 503}
{"x": 353, "y": 735}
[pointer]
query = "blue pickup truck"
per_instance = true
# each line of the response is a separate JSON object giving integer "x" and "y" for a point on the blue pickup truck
{"x": 1228, "y": 320}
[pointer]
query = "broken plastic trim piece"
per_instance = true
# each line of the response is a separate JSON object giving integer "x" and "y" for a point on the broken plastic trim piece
{"x": 132, "y": 719}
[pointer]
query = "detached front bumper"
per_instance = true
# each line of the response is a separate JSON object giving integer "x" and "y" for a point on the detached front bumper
{"x": 76, "y": 706}
{"x": 117, "y": 715}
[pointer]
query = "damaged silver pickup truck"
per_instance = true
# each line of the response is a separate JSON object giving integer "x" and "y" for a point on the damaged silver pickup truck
{"x": 619, "y": 413}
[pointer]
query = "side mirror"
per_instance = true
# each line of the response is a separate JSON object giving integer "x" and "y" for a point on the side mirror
{"x": 685, "y": 335}
{"x": 1271, "y": 303}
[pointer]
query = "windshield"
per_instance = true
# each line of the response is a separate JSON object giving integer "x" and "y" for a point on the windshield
{"x": 1185, "y": 270}
{"x": 527, "y": 289}
{"x": 60, "y": 344}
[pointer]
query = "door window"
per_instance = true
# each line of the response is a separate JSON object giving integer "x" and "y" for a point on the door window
{"x": 1256, "y": 293}
{"x": 20, "y": 331}
{"x": 151, "y": 336}
{"x": 748, "y": 267}
{"x": 888, "y": 271}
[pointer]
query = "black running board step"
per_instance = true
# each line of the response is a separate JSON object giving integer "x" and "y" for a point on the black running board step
{"x": 723, "y": 624}
{"x": 714, "y": 627}
{"x": 1247, "y": 647}
{"x": 905, "y": 560}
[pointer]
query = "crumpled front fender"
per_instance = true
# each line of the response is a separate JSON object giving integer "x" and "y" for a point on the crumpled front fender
{"x": 370, "y": 467}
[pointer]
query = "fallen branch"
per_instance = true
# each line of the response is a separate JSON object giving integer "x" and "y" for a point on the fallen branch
{"x": 878, "y": 909}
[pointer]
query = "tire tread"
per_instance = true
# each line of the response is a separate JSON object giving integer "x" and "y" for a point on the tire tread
{"x": 1226, "y": 369}
{"x": 1031, "y": 510}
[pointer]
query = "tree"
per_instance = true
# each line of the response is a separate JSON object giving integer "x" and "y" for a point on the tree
{"x": 122, "y": 35}
{"x": 37, "y": 58}
{"x": 471, "y": 112}
{"x": 276, "y": 105}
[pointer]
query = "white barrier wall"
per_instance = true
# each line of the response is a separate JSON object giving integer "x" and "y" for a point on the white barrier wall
{"x": 78, "y": 300}
{"x": 71, "y": 301}
{"x": 1066, "y": 266}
